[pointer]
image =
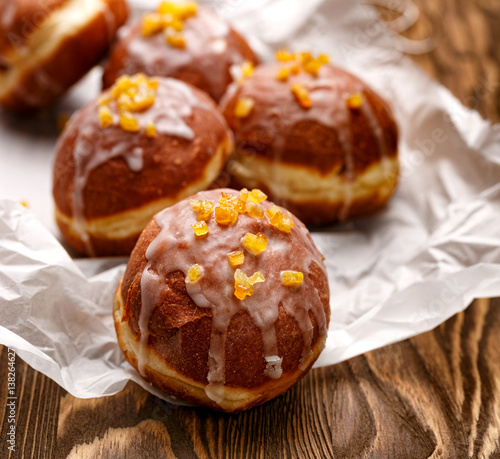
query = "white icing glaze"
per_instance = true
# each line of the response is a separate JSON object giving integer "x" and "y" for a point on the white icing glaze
{"x": 95, "y": 146}
{"x": 8, "y": 13}
{"x": 206, "y": 41}
{"x": 177, "y": 248}
{"x": 110, "y": 19}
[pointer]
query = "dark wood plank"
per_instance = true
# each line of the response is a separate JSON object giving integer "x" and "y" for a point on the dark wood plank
{"x": 436, "y": 395}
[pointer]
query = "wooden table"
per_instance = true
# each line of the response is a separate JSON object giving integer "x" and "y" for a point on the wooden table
{"x": 436, "y": 395}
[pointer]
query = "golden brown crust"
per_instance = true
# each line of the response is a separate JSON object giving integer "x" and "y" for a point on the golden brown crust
{"x": 179, "y": 337}
{"x": 48, "y": 76}
{"x": 238, "y": 398}
{"x": 157, "y": 58}
{"x": 318, "y": 213}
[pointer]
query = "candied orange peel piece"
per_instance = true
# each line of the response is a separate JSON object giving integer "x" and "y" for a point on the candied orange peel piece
{"x": 150, "y": 129}
{"x": 243, "y": 107}
{"x": 205, "y": 209}
{"x": 169, "y": 18}
{"x": 257, "y": 196}
{"x": 128, "y": 122}
{"x": 283, "y": 55}
{"x": 279, "y": 220}
{"x": 247, "y": 69}
{"x": 152, "y": 23}
{"x": 226, "y": 215}
{"x": 105, "y": 116}
{"x": 355, "y": 101}
{"x": 200, "y": 228}
{"x": 301, "y": 95}
{"x": 194, "y": 274}
{"x": 236, "y": 258}
{"x": 282, "y": 74}
{"x": 295, "y": 63}
{"x": 244, "y": 285}
{"x": 176, "y": 40}
{"x": 255, "y": 243}
{"x": 254, "y": 210}
{"x": 292, "y": 278}
{"x": 182, "y": 10}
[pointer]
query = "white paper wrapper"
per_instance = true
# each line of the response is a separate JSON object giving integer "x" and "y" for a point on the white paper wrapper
{"x": 433, "y": 250}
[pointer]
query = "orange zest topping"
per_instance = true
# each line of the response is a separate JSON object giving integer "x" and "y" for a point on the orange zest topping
{"x": 301, "y": 95}
{"x": 105, "y": 117}
{"x": 255, "y": 243}
{"x": 194, "y": 274}
{"x": 279, "y": 220}
{"x": 244, "y": 285}
{"x": 243, "y": 107}
{"x": 292, "y": 278}
{"x": 236, "y": 258}
{"x": 200, "y": 228}
{"x": 355, "y": 101}
{"x": 226, "y": 216}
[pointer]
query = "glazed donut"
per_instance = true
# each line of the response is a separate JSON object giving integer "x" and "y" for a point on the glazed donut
{"x": 45, "y": 47}
{"x": 315, "y": 138}
{"x": 224, "y": 302}
{"x": 141, "y": 146}
{"x": 181, "y": 41}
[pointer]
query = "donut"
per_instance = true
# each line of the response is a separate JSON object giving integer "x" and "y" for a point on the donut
{"x": 144, "y": 144}
{"x": 315, "y": 138}
{"x": 183, "y": 41}
{"x": 46, "y": 47}
{"x": 224, "y": 302}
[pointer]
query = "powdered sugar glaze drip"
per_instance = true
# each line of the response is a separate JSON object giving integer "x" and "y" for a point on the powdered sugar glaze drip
{"x": 176, "y": 247}
{"x": 95, "y": 146}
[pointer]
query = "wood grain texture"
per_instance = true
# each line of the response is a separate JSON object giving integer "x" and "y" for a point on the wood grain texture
{"x": 433, "y": 396}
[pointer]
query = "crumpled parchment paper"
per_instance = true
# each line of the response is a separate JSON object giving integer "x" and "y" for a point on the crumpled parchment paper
{"x": 425, "y": 257}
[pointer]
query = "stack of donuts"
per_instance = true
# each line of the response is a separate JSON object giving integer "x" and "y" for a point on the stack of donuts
{"x": 225, "y": 299}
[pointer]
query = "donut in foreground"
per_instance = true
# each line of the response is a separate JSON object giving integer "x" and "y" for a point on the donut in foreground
{"x": 140, "y": 147}
{"x": 183, "y": 41}
{"x": 314, "y": 137}
{"x": 224, "y": 302}
{"x": 45, "y": 47}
